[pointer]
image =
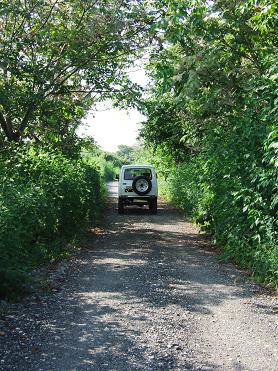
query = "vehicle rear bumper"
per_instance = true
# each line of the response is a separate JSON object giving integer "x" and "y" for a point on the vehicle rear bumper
{"x": 146, "y": 198}
{"x": 137, "y": 200}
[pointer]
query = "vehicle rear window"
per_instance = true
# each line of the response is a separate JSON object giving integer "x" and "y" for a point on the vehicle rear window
{"x": 130, "y": 174}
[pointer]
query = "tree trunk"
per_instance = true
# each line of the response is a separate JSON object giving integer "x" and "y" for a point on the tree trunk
{"x": 7, "y": 128}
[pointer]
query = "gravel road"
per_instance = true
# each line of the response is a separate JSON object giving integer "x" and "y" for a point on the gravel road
{"x": 146, "y": 292}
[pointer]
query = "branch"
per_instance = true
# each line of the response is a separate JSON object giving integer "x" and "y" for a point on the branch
{"x": 26, "y": 118}
{"x": 81, "y": 19}
{"x": 7, "y": 128}
{"x": 85, "y": 10}
{"x": 34, "y": 136}
{"x": 46, "y": 19}
{"x": 29, "y": 13}
{"x": 62, "y": 82}
{"x": 87, "y": 92}
{"x": 242, "y": 54}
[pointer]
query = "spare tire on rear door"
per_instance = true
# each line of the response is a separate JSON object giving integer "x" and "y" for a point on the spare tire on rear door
{"x": 141, "y": 185}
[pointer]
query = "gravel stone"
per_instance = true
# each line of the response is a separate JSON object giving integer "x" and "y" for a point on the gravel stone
{"x": 145, "y": 292}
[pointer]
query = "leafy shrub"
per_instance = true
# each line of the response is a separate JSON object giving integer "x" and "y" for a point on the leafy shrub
{"x": 45, "y": 200}
{"x": 233, "y": 194}
{"x": 107, "y": 162}
{"x": 212, "y": 115}
{"x": 109, "y": 171}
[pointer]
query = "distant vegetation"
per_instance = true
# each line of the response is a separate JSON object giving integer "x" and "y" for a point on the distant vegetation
{"x": 109, "y": 162}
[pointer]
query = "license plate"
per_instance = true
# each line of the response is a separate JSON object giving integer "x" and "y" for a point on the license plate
{"x": 128, "y": 189}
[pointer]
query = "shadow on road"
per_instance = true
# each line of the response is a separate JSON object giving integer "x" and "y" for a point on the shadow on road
{"x": 132, "y": 300}
{"x": 138, "y": 285}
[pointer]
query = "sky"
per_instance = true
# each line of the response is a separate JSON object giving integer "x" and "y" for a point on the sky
{"x": 111, "y": 127}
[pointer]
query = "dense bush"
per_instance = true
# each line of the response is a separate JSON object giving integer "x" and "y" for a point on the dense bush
{"x": 212, "y": 123}
{"x": 45, "y": 200}
{"x": 108, "y": 169}
{"x": 235, "y": 201}
{"x": 108, "y": 163}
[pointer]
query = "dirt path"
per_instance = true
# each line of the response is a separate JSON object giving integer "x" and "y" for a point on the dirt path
{"x": 147, "y": 294}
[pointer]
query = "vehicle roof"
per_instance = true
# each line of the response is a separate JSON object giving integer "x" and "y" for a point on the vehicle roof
{"x": 137, "y": 166}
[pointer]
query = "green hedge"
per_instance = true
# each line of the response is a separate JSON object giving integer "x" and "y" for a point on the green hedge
{"x": 232, "y": 192}
{"x": 45, "y": 200}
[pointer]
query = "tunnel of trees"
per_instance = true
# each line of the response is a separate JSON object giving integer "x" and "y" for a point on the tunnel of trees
{"x": 211, "y": 110}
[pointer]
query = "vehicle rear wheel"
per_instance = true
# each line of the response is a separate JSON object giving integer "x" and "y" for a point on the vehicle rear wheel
{"x": 141, "y": 185}
{"x": 153, "y": 205}
{"x": 120, "y": 206}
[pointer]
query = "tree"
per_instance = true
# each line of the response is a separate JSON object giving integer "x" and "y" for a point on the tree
{"x": 210, "y": 61}
{"x": 58, "y": 56}
{"x": 212, "y": 121}
{"x": 126, "y": 154}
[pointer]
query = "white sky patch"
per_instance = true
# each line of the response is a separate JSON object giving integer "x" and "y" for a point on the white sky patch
{"x": 111, "y": 127}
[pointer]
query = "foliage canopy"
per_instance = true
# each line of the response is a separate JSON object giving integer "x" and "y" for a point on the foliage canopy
{"x": 58, "y": 57}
